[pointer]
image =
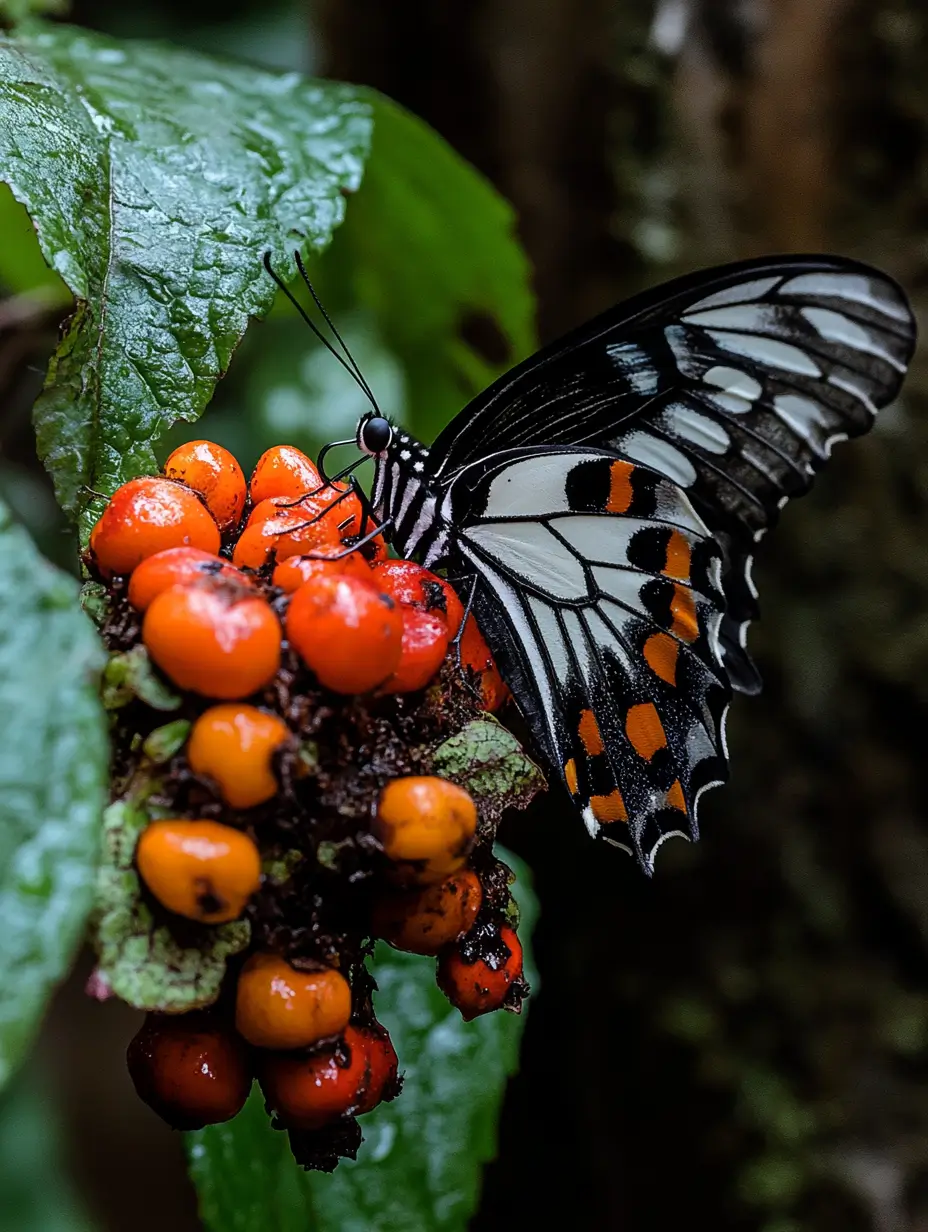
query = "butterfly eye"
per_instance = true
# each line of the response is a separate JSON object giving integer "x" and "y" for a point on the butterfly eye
{"x": 374, "y": 434}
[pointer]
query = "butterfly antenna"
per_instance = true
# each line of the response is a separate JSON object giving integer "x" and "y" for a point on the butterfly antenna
{"x": 359, "y": 376}
{"x": 352, "y": 368}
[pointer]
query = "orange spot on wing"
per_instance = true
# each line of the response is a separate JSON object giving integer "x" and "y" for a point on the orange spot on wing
{"x": 675, "y": 797}
{"x": 683, "y": 611}
{"x": 679, "y": 557}
{"x": 645, "y": 730}
{"x": 590, "y": 733}
{"x": 660, "y": 653}
{"x": 570, "y": 775}
{"x": 620, "y": 487}
{"x": 609, "y": 808}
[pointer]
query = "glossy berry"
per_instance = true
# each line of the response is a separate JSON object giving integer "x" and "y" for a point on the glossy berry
{"x": 479, "y": 987}
{"x": 347, "y": 631}
{"x": 383, "y": 1065}
{"x": 283, "y": 471}
{"x": 291, "y": 573}
{"x": 218, "y": 640}
{"x": 424, "y": 921}
{"x": 234, "y": 745}
{"x": 278, "y": 1006}
{"x": 176, "y": 567}
{"x": 475, "y": 654}
{"x": 425, "y": 644}
{"x": 426, "y": 826}
{"x": 309, "y": 1092}
{"x": 290, "y": 530}
{"x": 413, "y": 586}
{"x": 215, "y": 474}
{"x": 191, "y": 1069}
{"x": 199, "y": 869}
{"x": 146, "y": 516}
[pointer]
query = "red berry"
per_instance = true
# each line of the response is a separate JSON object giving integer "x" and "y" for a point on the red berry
{"x": 283, "y": 471}
{"x": 176, "y": 567}
{"x": 191, "y": 1069}
{"x": 217, "y": 639}
{"x": 475, "y": 654}
{"x": 308, "y": 1092}
{"x": 425, "y": 644}
{"x": 383, "y": 1065}
{"x": 146, "y": 516}
{"x": 291, "y": 573}
{"x": 477, "y": 987}
{"x": 410, "y": 584}
{"x": 347, "y": 631}
{"x": 215, "y": 474}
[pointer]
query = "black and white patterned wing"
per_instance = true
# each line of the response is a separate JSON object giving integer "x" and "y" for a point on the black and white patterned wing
{"x": 734, "y": 383}
{"x": 598, "y": 592}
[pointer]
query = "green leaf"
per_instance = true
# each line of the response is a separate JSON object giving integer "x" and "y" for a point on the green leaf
{"x": 429, "y": 248}
{"x": 128, "y": 675}
{"x": 419, "y": 1167}
{"x": 141, "y": 961}
{"x": 161, "y": 744}
{"x": 35, "y": 1193}
{"x": 489, "y": 762}
{"x": 156, "y": 178}
{"x": 53, "y": 769}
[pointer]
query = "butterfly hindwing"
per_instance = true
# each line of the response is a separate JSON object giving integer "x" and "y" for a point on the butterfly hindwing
{"x": 598, "y": 591}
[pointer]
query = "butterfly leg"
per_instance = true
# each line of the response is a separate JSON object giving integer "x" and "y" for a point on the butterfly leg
{"x": 456, "y": 640}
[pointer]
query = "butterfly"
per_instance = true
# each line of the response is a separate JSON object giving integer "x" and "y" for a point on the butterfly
{"x": 598, "y": 507}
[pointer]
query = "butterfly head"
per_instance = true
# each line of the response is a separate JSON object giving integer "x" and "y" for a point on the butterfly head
{"x": 374, "y": 435}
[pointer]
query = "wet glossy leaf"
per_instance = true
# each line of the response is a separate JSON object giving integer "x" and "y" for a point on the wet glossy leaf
{"x": 419, "y": 1167}
{"x": 156, "y": 178}
{"x": 53, "y": 763}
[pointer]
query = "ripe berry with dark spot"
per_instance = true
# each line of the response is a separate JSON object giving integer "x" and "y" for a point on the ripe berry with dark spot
{"x": 383, "y": 1064}
{"x": 146, "y": 516}
{"x": 177, "y": 567}
{"x": 346, "y": 631}
{"x": 234, "y": 745}
{"x": 410, "y": 584}
{"x": 278, "y": 1006}
{"x": 215, "y": 474}
{"x": 426, "y": 827}
{"x": 425, "y": 921}
{"x": 476, "y": 655}
{"x": 486, "y": 984}
{"x": 191, "y": 1069}
{"x": 216, "y": 639}
{"x": 199, "y": 869}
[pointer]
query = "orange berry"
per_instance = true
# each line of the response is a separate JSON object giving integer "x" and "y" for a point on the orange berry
{"x": 410, "y": 584}
{"x": 347, "y": 631}
{"x": 426, "y": 826}
{"x": 476, "y": 655}
{"x": 218, "y": 640}
{"x": 283, "y": 471}
{"x": 309, "y": 1092}
{"x": 291, "y": 573}
{"x": 176, "y": 567}
{"x": 215, "y": 474}
{"x": 291, "y": 531}
{"x": 234, "y": 745}
{"x": 277, "y": 1006}
{"x": 146, "y": 516}
{"x": 425, "y": 644}
{"x": 478, "y": 986}
{"x": 383, "y": 1064}
{"x": 425, "y": 921}
{"x": 199, "y": 869}
{"x": 191, "y": 1069}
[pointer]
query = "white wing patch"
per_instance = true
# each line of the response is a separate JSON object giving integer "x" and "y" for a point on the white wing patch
{"x": 660, "y": 456}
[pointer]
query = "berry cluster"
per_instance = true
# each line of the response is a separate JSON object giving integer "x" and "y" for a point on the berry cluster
{"x": 314, "y": 676}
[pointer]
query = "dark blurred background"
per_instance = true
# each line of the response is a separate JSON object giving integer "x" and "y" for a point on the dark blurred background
{"x": 741, "y": 1043}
